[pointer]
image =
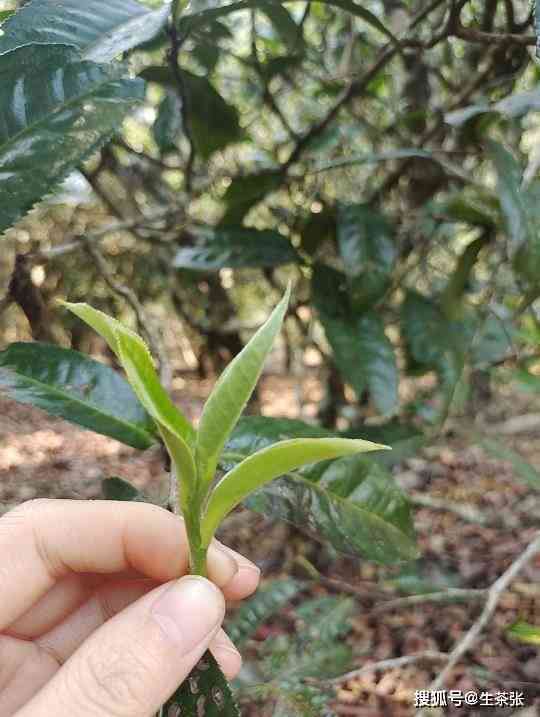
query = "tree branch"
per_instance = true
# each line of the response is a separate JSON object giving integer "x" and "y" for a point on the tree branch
{"x": 174, "y": 54}
{"x": 144, "y": 325}
{"x": 427, "y": 656}
{"x": 494, "y": 594}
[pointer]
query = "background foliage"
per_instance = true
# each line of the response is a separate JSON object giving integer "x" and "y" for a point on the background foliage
{"x": 382, "y": 155}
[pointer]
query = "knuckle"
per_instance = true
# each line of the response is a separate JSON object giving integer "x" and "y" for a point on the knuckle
{"x": 114, "y": 681}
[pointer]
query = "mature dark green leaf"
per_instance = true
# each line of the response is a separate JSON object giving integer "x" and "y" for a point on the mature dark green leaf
{"x": 245, "y": 192}
{"x": 425, "y": 329}
{"x": 168, "y": 125}
{"x": 213, "y": 123}
{"x": 99, "y": 30}
{"x": 493, "y": 340}
{"x": 255, "y": 612}
{"x": 232, "y": 391}
{"x": 205, "y": 692}
{"x": 319, "y": 227}
{"x": 405, "y": 439}
{"x": 349, "y": 526}
{"x": 235, "y": 248}
{"x": 366, "y": 244}
{"x": 68, "y": 384}
{"x": 283, "y": 23}
{"x": 329, "y": 291}
{"x": 364, "y": 355}
{"x": 512, "y": 199}
{"x": 207, "y": 54}
{"x": 55, "y": 110}
{"x": 356, "y": 505}
{"x": 115, "y": 488}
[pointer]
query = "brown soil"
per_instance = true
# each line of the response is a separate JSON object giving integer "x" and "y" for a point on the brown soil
{"x": 45, "y": 457}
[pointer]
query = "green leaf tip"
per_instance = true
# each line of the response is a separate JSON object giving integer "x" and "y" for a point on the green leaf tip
{"x": 232, "y": 391}
{"x": 136, "y": 359}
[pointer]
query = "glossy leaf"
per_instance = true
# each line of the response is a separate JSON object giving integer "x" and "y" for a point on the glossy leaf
{"x": 205, "y": 692}
{"x": 68, "y": 384}
{"x": 425, "y": 329}
{"x": 361, "y": 350}
{"x": 213, "y": 122}
{"x": 99, "y": 30}
{"x": 366, "y": 240}
{"x": 236, "y": 248}
{"x": 55, "y": 110}
{"x": 352, "y": 502}
{"x": 272, "y": 462}
{"x": 168, "y": 125}
{"x": 254, "y": 612}
{"x": 4, "y": 14}
{"x": 283, "y": 23}
{"x": 348, "y": 525}
{"x": 232, "y": 391}
{"x": 245, "y": 192}
{"x": 366, "y": 244}
{"x": 509, "y": 190}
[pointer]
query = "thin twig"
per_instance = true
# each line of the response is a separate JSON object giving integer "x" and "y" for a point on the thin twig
{"x": 494, "y": 595}
{"x": 127, "y": 225}
{"x": 451, "y": 595}
{"x": 427, "y": 656}
{"x": 174, "y": 57}
{"x": 466, "y": 512}
{"x": 143, "y": 323}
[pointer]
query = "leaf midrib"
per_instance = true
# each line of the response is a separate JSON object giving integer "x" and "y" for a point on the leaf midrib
{"x": 78, "y": 402}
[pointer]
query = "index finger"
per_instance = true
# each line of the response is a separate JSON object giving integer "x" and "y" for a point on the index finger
{"x": 44, "y": 540}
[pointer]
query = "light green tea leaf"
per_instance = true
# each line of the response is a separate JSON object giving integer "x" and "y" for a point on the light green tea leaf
{"x": 271, "y": 462}
{"x": 232, "y": 391}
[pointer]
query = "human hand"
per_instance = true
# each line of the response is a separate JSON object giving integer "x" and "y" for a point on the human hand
{"x": 93, "y": 619}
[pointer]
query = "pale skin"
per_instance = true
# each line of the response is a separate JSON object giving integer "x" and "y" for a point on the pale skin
{"x": 96, "y": 616}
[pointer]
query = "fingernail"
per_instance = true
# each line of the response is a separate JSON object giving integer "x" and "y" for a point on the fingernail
{"x": 229, "y": 568}
{"x": 189, "y": 611}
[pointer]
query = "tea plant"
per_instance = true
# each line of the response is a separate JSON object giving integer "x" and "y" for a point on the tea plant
{"x": 204, "y": 499}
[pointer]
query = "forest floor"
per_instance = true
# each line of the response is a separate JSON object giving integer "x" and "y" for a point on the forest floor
{"x": 482, "y": 518}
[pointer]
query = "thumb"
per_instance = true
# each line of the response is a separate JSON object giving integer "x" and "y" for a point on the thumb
{"x": 132, "y": 664}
